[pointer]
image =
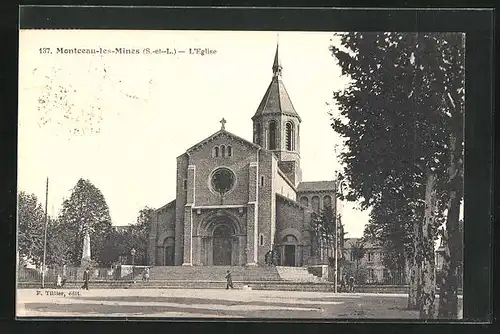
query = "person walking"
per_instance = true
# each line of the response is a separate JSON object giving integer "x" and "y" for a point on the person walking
{"x": 343, "y": 284}
{"x": 86, "y": 278}
{"x": 351, "y": 284}
{"x": 59, "y": 281}
{"x": 146, "y": 275}
{"x": 229, "y": 280}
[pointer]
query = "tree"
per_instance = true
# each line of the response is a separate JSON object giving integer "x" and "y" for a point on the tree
{"x": 30, "y": 233}
{"x": 358, "y": 251}
{"x": 324, "y": 226}
{"x": 397, "y": 125}
{"x": 85, "y": 210}
{"x": 141, "y": 232}
{"x": 453, "y": 76}
{"x": 57, "y": 243}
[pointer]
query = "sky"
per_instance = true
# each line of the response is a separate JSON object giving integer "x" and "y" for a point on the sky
{"x": 120, "y": 120}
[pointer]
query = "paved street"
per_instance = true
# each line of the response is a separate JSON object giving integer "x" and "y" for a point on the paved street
{"x": 210, "y": 303}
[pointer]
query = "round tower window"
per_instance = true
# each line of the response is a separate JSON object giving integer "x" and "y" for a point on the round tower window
{"x": 222, "y": 180}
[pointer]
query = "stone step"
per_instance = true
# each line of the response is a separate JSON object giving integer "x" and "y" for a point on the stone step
{"x": 179, "y": 284}
{"x": 297, "y": 274}
{"x": 213, "y": 273}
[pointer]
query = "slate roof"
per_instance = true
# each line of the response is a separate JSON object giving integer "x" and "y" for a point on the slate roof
{"x": 316, "y": 186}
{"x": 276, "y": 99}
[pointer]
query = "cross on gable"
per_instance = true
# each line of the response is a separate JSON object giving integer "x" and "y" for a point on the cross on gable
{"x": 223, "y": 123}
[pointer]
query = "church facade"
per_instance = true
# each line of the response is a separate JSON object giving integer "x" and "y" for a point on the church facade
{"x": 237, "y": 200}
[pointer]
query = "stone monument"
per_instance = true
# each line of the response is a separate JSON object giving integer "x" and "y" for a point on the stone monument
{"x": 86, "y": 259}
{"x": 86, "y": 250}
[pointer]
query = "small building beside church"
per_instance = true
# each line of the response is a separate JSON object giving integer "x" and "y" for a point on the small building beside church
{"x": 237, "y": 200}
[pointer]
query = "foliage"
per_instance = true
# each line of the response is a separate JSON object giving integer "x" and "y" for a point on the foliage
{"x": 358, "y": 251}
{"x": 397, "y": 120}
{"x": 324, "y": 226}
{"x": 134, "y": 236}
{"x": 86, "y": 209}
{"x": 30, "y": 228}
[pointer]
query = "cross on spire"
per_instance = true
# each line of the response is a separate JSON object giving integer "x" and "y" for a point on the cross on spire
{"x": 223, "y": 123}
{"x": 277, "y": 68}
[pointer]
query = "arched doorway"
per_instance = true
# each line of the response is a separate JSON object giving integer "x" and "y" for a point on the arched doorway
{"x": 222, "y": 245}
{"x": 289, "y": 243}
{"x": 168, "y": 245}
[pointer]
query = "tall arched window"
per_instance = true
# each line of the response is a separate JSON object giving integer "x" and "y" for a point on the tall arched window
{"x": 272, "y": 136}
{"x": 304, "y": 201}
{"x": 257, "y": 134}
{"x": 215, "y": 152}
{"x": 229, "y": 151}
{"x": 222, "y": 151}
{"x": 289, "y": 136}
{"x": 327, "y": 201}
{"x": 315, "y": 204}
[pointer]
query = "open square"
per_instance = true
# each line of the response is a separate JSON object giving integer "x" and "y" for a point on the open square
{"x": 211, "y": 303}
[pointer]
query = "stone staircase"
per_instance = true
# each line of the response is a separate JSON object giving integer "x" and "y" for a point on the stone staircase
{"x": 214, "y": 273}
{"x": 210, "y": 277}
{"x": 298, "y": 274}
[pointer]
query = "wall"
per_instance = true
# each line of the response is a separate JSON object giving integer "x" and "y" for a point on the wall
{"x": 266, "y": 203}
{"x": 242, "y": 155}
{"x": 180, "y": 202}
{"x": 284, "y": 188}
{"x": 165, "y": 218}
{"x": 321, "y": 194}
{"x": 293, "y": 219}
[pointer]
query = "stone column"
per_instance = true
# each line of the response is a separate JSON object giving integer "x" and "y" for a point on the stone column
{"x": 251, "y": 239}
{"x": 188, "y": 237}
{"x": 242, "y": 249}
{"x": 197, "y": 250}
{"x": 252, "y": 215}
{"x": 188, "y": 216}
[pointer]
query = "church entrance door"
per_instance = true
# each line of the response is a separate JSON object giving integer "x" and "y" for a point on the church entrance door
{"x": 169, "y": 255}
{"x": 289, "y": 255}
{"x": 222, "y": 246}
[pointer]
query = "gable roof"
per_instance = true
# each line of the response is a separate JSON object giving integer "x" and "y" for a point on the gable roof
{"x": 221, "y": 133}
{"x": 316, "y": 186}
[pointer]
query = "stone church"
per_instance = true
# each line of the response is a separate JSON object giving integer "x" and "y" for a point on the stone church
{"x": 236, "y": 200}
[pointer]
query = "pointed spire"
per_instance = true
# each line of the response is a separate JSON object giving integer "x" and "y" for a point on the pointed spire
{"x": 277, "y": 68}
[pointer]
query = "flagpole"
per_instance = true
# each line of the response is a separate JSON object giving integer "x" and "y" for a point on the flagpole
{"x": 45, "y": 233}
{"x": 336, "y": 235}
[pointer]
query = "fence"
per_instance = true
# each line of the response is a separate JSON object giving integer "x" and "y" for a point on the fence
{"x": 68, "y": 273}
{"x": 368, "y": 276}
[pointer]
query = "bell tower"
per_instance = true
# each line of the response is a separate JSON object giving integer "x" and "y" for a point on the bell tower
{"x": 276, "y": 124}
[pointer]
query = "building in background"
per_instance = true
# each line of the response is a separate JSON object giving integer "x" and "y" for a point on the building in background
{"x": 364, "y": 261}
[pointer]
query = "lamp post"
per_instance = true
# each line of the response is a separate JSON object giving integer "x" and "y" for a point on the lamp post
{"x": 132, "y": 252}
{"x": 339, "y": 185}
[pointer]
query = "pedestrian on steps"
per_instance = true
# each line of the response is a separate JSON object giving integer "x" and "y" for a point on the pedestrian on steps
{"x": 229, "y": 280}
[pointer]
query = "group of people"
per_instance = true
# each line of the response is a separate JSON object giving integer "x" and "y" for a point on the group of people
{"x": 347, "y": 284}
{"x": 271, "y": 258}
